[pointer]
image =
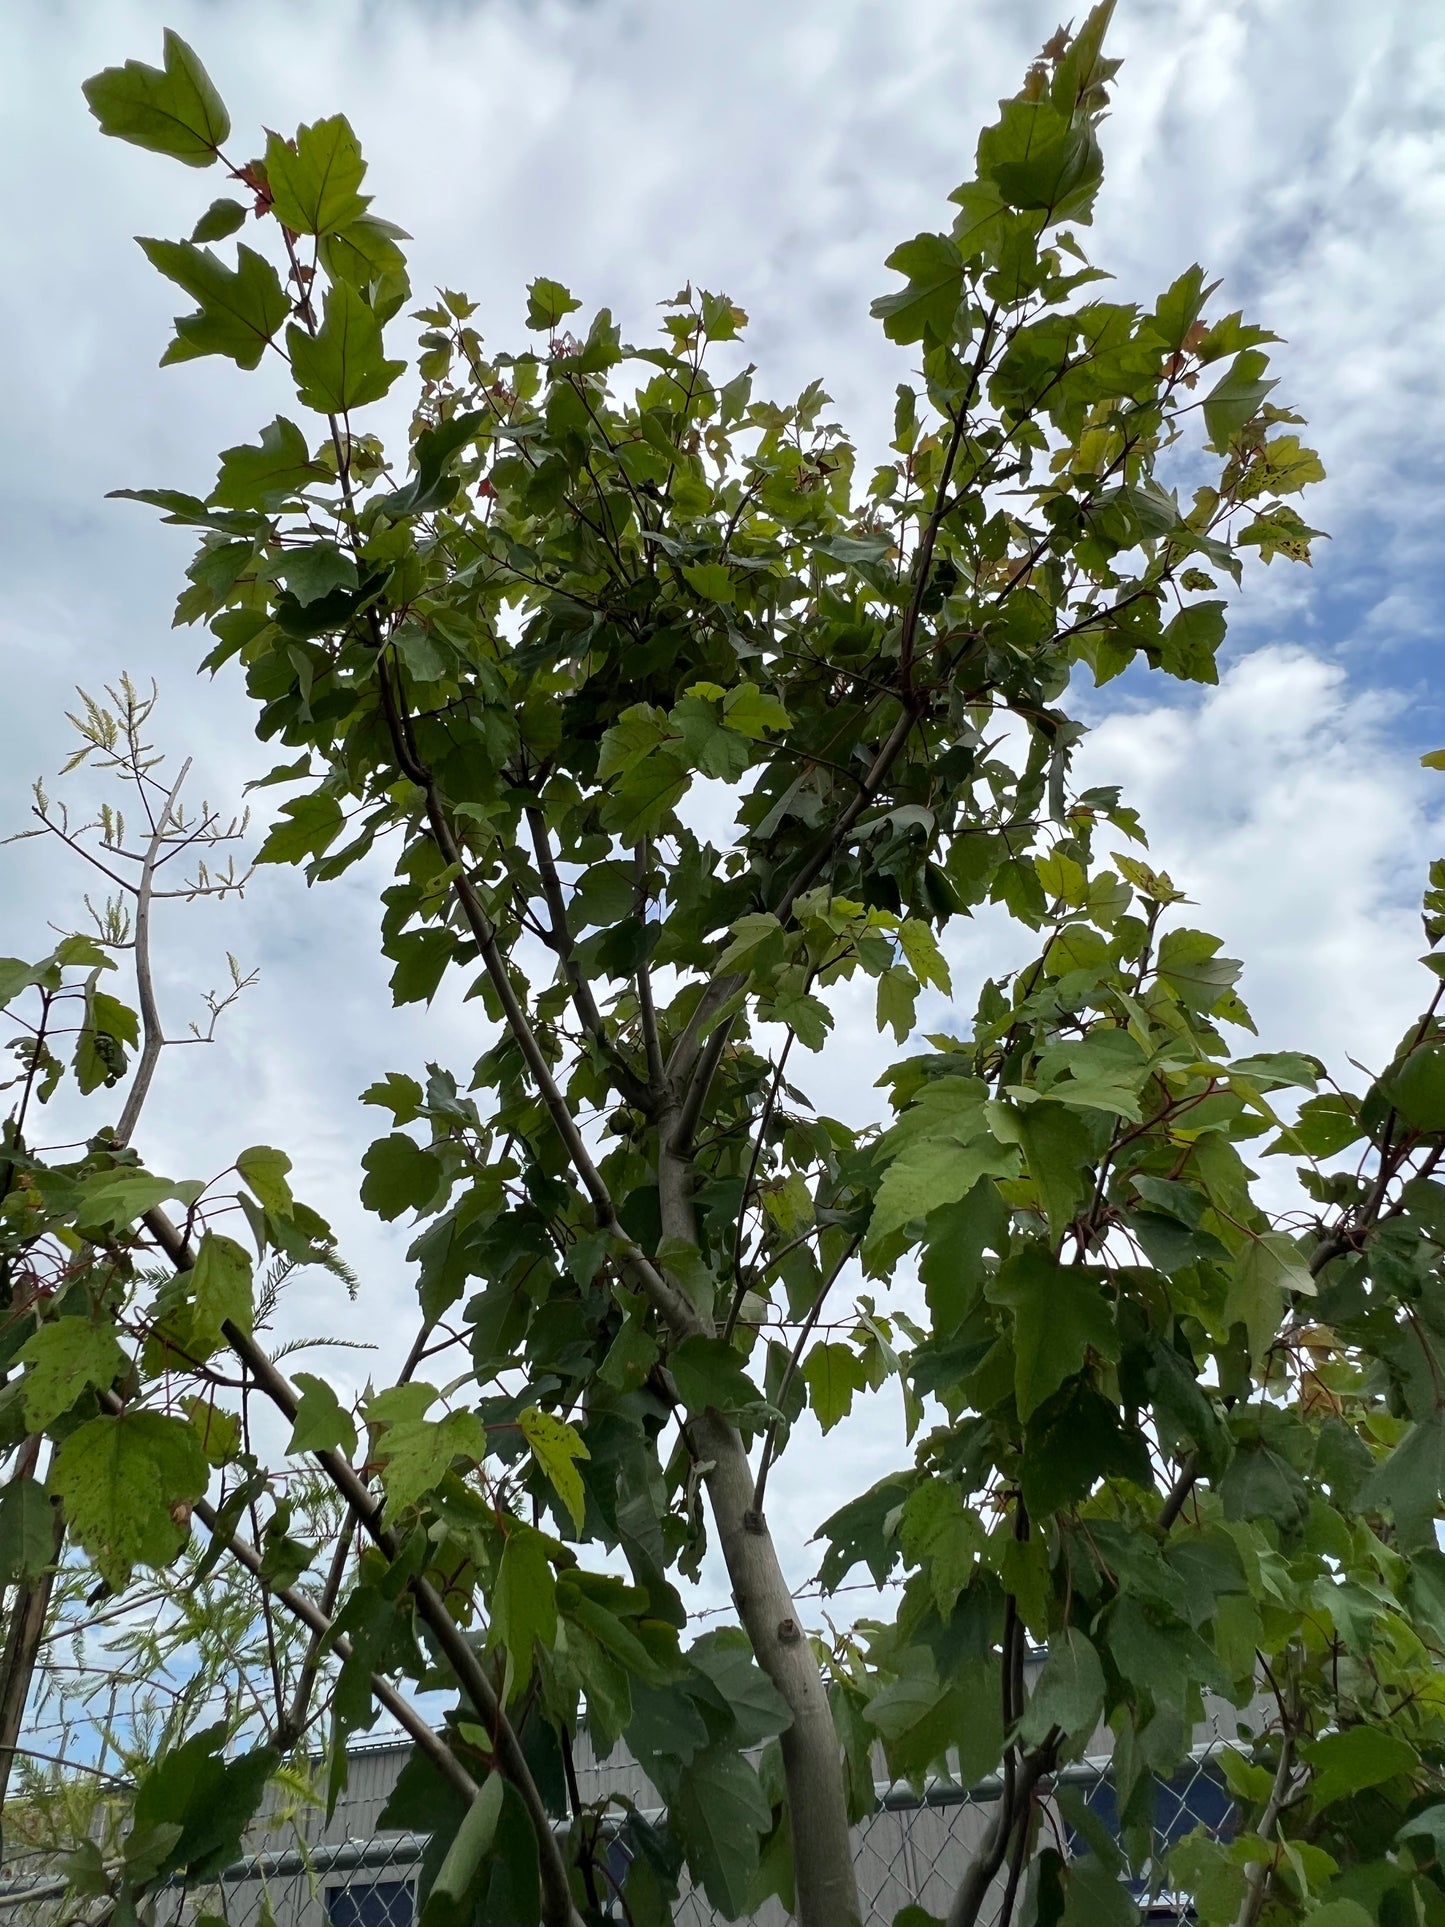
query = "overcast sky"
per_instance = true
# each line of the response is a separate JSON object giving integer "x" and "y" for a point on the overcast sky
{"x": 777, "y": 150}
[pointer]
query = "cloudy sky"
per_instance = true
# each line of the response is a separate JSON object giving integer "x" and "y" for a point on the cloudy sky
{"x": 776, "y": 151}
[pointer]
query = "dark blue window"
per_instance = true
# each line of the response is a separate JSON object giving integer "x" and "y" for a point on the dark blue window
{"x": 375, "y": 1903}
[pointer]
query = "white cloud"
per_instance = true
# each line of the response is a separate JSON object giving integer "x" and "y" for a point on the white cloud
{"x": 1281, "y": 803}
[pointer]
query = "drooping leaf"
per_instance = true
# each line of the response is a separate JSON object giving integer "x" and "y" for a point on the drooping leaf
{"x": 918, "y": 1719}
{"x": 557, "y": 1446}
{"x": 1416, "y": 1088}
{"x": 721, "y": 1811}
{"x": 263, "y": 1169}
{"x": 221, "y": 1281}
{"x": 1059, "y": 1317}
{"x": 524, "y": 1604}
{"x": 709, "y": 1372}
{"x": 461, "y": 1879}
{"x": 759, "y": 1712}
{"x": 27, "y": 1530}
{"x": 1070, "y": 1689}
{"x": 833, "y": 1372}
{"x": 1408, "y": 1483}
{"x": 206, "y": 1799}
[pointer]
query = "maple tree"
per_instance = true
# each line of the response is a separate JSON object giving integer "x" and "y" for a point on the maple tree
{"x": 1183, "y": 1445}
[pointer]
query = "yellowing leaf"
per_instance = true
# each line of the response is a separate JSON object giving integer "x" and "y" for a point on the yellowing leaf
{"x": 63, "y": 1359}
{"x": 927, "y": 961}
{"x": 752, "y": 713}
{"x": 264, "y": 1170}
{"x": 124, "y": 1482}
{"x": 1269, "y": 1266}
{"x": 1062, "y": 878}
{"x": 557, "y": 1446}
{"x": 1154, "y": 884}
{"x": 419, "y": 1453}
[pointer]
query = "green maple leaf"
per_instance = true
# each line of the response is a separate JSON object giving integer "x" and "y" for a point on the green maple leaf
{"x": 1059, "y": 1315}
{"x": 341, "y": 366}
{"x": 63, "y": 1359}
{"x": 124, "y": 1481}
{"x": 721, "y": 1810}
{"x": 832, "y": 1373}
{"x": 172, "y": 109}
{"x": 262, "y": 476}
{"x": 419, "y": 1453}
{"x": 221, "y": 1283}
{"x": 321, "y": 1424}
{"x": 524, "y": 1603}
{"x": 314, "y": 181}
{"x": 241, "y": 308}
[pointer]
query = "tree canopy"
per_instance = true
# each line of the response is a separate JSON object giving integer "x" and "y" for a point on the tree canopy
{"x": 655, "y": 714}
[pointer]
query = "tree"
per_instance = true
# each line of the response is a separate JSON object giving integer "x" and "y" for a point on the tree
{"x": 1182, "y": 1444}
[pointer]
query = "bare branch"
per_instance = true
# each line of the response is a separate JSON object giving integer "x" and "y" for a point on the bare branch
{"x": 153, "y": 1038}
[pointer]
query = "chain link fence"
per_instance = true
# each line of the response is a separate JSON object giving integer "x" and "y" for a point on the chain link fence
{"x": 306, "y": 1871}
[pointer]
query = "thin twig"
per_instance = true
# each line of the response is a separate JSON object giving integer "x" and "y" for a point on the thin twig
{"x": 153, "y": 1039}
{"x": 771, "y": 1441}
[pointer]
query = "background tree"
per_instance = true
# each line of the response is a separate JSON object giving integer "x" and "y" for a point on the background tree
{"x": 669, "y": 722}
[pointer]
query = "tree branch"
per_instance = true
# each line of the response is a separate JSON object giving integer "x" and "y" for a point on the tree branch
{"x": 583, "y": 1001}
{"x": 1179, "y": 1492}
{"x": 973, "y": 1888}
{"x": 22, "y": 1646}
{"x": 1256, "y": 1884}
{"x": 646, "y": 1009}
{"x": 318, "y": 1620}
{"x": 293, "y": 1725}
{"x": 673, "y": 1304}
{"x": 770, "y": 1442}
{"x": 450, "y": 1639}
